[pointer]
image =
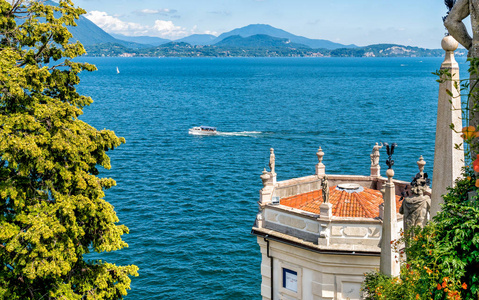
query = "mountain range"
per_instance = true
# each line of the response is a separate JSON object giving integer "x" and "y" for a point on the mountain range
{"x": 89, "y": 34}
{"x": 251, "y": 40}
{"x": 269, "y": 30}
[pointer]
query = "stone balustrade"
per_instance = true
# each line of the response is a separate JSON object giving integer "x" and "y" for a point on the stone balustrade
{"x": 336, "y": 234}
{"x": 296, "y": 186}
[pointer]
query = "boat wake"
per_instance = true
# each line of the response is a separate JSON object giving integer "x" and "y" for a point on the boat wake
{"x": 241, "y": 133}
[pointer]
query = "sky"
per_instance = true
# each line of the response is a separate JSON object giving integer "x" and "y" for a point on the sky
{"x": 359, "y": 22}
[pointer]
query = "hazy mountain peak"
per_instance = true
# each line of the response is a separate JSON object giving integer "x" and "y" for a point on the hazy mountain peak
{"x": 254, "y": 29}
{"x": 198, "y": 39}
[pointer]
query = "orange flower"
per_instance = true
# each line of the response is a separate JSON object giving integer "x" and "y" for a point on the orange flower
{"x": 453, "y": 295}
{"x": 468, "y": 177}
{"x": 464, "y": 286}
{"x": 439, "y": 286}
{"x": 444, "y": 284}
{"x": 477, "y": 183}
{"x": 469, "y": 132}
{"x": 417, "y": 296}
{"x": 475, "y": 164}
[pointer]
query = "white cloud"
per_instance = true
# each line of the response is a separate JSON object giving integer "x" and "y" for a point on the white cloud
{"x": 211, "y": 32}
{"x": 221, "y": 12}
{"x": 149, "y": 11}
{"x": 161, "y": 28}
{"x": 168, "y": 29}
{"x": 114, "y": 24}
{"x": 161, "y": 11}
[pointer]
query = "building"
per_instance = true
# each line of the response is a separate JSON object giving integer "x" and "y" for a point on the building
{"x": 319, "y": 234}
{"x": 316, "y": 250}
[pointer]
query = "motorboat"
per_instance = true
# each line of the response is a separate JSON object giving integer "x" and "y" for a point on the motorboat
{"x": 203, "y": 130}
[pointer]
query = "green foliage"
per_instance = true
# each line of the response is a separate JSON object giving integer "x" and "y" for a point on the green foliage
{"x": 52, "y": 210}
{"x": 377, "y": 286}
{"x": 258, "y": 46}
{"x": 443, "y": 257}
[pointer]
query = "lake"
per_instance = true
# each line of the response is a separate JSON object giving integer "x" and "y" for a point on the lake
{"x": 190, "y": 201}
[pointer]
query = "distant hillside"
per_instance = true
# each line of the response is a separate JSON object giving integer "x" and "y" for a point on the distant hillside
{"x": 198, "y": 39}
{"x": 262, "y": 46}
{"x": 388, "y": 50}
{"x": 109, "y": 49}
{"x": 88, "y": 33}
{"x": 255, "y": 29}
{"x": 257, "y": 41}
{"x": 250, "y": 41}
{"x": 147, "y": 40}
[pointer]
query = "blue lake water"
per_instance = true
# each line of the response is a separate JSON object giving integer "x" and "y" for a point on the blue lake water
{"x": 190, "y": 201}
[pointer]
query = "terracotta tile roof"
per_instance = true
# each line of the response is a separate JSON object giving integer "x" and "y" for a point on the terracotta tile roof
{"x": 363, "y": 204}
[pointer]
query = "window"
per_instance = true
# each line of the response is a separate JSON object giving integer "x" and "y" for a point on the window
{"x": 290, "y": 280}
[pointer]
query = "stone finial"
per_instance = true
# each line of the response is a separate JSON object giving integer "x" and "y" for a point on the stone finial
{"x": 265, "y": 177}
{"x": 259, "y": 220}
{"x": 272, "y": 161}
{"x": 320, "y": 168}
{"x": 320, "y": 155}
{"x": 448, "y": 43}
{"x": 390, "y": 174}
{"x": 421, "y": 163}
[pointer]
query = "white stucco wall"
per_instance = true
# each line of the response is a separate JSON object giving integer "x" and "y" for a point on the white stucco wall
{"x": 320, "y": 276}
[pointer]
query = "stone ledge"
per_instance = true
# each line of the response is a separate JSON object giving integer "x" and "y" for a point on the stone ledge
{"x": 332, "y": 249}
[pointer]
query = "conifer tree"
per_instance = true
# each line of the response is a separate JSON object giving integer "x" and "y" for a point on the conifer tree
{"x": 52, "y": 210}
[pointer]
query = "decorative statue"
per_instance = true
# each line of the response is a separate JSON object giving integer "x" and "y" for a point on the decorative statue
{"x": 271, "y": 160}
{"x": 459, "y": 10}
{"x": 325, "y": 186}
{"x": 415, "y": 208}
{"x": 375, "y": 155}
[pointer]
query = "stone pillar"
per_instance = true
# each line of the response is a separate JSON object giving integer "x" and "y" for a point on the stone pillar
{"x": 389, "y": 263}
{"x": 266, "y": 193}
{"x": 320, "y": 167}
{"x": 326, "y": 211}
{"x": 448, "y": 160}
{"x": 375, "y": 171}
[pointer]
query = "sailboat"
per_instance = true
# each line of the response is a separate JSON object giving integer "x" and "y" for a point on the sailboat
{"x": 117, "y": 70}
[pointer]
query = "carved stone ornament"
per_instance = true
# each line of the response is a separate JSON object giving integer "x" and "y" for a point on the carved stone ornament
{"x": 320, "y": 155}
{"x": 420, "y": 164}
{"x": 415, "y": 207}
{"x": 265, "y": 177}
